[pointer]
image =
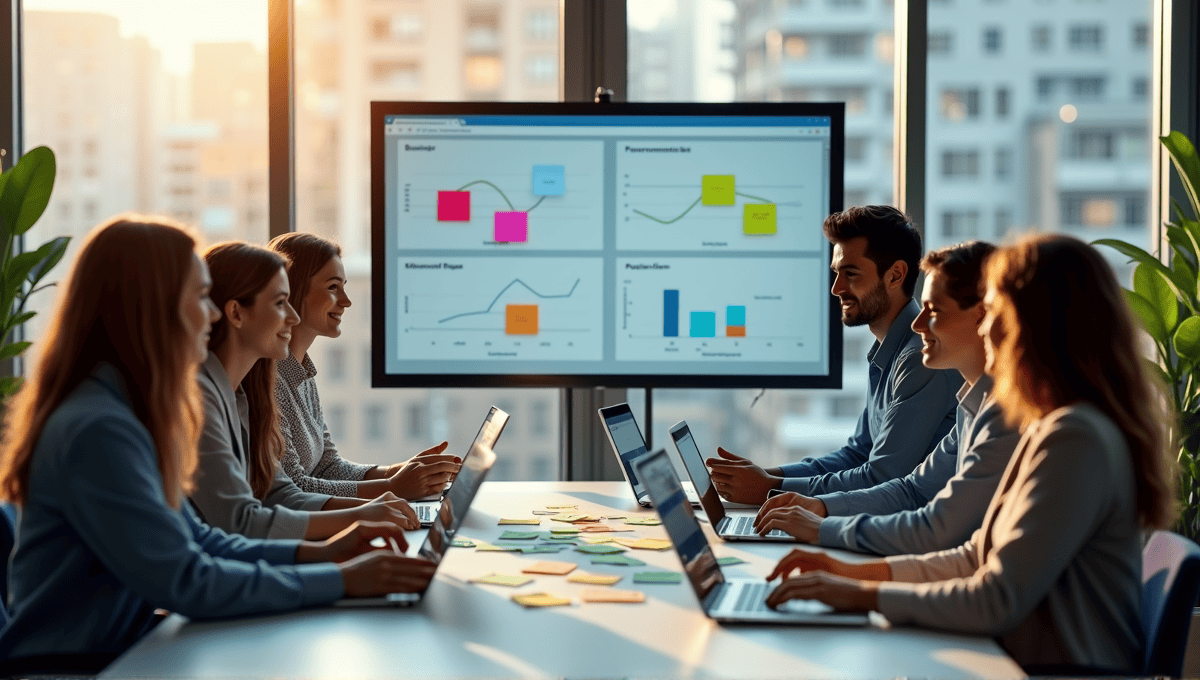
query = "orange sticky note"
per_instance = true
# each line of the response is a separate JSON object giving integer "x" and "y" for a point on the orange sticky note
{"x": 612, "y": 595}
{"x": 552, "y": 568}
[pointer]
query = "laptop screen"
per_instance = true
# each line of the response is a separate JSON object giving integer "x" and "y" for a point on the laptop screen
{"x": 699, "y": 562}
{"x": 685, "y": 444}
{"x": 475, "y": 465}
{"x": 626, "y": 439}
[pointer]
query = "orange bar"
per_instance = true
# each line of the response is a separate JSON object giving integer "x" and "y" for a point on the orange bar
{"x": 735, "y": 331}
{"x": 521, "y": 319}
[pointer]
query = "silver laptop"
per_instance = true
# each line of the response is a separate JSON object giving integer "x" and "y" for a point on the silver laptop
{"x": 733, "y": 525}
{"x": 627, "y": 443}
{"x": 488, "y": 434}
{"x": 725, "y": 599}
{"x": 451, "y": 511}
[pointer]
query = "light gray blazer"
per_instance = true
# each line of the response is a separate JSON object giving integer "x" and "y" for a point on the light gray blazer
{"x": 223, "y": 497}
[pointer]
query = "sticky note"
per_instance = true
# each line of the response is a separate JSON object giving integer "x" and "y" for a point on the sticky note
{"x": 542, "y": 548}
{"x": 518, "y": 535}
{"x": 566, "y": 535}
{"x": 612, "y": 595}
{"x": 565, "y": 530}
{"x": 540, "y": 600}
{"x": 613, "y": 517}
{"x": 488, "y": 547}
{"x": 644, "y": 522}
{"x": 657, "y": 577}
{"x": 644, "y": 543}
{"x": 549, "y": 180}
{"x": 758, "y": 219}
{"x": 454, "y": 206}
{"x": 512, "y": 226}
{"x": 568, "y": 517}
{"x": 617, "y": 560}
{"x": 462, "y": 543}
{"x": 600, "y": 549}
{"x": 716, "y": 189}
{"x": 521, "y": 319}
{"x": 561, "y": 507}
{"x": 494, "y": 579}
{"x": 519, "y": 520}
{"x": 593, "y": 540}
{"x": 553, "y": 568}
{"x": 545, "y": 512}
{"x": 726, "y": 561}
{"x": 593, "y": 579}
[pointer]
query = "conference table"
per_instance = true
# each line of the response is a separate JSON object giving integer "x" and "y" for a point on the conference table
{"x": 464, "y": 629}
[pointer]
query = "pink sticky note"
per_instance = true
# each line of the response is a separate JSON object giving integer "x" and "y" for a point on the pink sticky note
{"x": 512, "y": 227}
{"x": 454, "y": 206}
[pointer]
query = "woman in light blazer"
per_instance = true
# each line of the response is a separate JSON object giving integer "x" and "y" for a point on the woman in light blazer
{"x": 1054, "y": 573}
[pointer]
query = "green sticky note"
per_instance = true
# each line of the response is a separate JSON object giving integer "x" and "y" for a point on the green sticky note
{"x": 519, "y": 535}
{"x": 566, "y": 530}
{"x": 542, "y": 548}
{"x": 462, "y": 543}
{"x": 726, "y": 561}
{"x": 485, "y": 547}
{"x": 758, "y": 219}
{"x": 644, "y": 522}
{"x": 600, "y": 549}
{"x": 618, "y": 560}
{"x": 657, "y": 577}
{"x": 717, "y": 189}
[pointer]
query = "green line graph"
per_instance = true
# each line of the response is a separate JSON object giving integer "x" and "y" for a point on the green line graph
{"x": 694, "y": 204}
{"x": 501, "y": 192}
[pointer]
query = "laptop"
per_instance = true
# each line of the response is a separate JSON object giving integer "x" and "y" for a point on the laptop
{"x": 451, "y": 511}
{"x": 733, "y": 525}
{"x": 627, "y": 443}
{"x": 724, "y": 599}
{"x": 488, "y": 434}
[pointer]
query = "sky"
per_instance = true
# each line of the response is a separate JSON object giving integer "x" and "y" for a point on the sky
{"x": 173, "y": 26}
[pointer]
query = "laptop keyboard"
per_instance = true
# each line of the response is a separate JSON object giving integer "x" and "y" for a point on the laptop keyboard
{"x": 424, "y": 513}
{"x": 744, "y": 526}
{"x": 751, "y": 597}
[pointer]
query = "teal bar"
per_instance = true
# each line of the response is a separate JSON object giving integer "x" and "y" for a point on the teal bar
{"x": 704, "y": 325}
{"x": 735, "y": 315}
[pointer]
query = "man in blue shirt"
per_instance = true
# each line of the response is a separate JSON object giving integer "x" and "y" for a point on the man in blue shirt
{"x": 876, "y": 250}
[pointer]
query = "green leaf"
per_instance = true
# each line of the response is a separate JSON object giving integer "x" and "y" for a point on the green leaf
{"x": 1180, "y": 264}
{"x": 1187, "y": 164}
{"x": 9, "y": 385}
{"x": 12, "y": 349}
{"x": 19, "y": 268}
{"x": 1178, "y": 283}
{"x": 53, "y": 250}
{"x": 1154, "y": 369}
{"x": 22, "y": 318}
{"x": 1182, "y": 242}
{"x": 27, "y": 191}
{"x": 1154, "y": 288}
{"x": 1187, "y": 339}
{"x": 1148, "y": 315}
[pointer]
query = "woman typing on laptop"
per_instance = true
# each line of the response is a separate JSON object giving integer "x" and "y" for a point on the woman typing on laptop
{"x": 99, "y": 451}
{"x": 1055, "y": 570}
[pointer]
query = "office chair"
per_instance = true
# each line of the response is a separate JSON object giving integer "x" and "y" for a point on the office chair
{"x": 1170, "y": 583}
{"x": 8, "y": 539}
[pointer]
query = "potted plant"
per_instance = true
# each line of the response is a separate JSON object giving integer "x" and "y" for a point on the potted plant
{"x": 24, "y": 193}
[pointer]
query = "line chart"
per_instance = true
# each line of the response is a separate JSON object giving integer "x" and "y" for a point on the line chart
{"x": 504, "y": 290}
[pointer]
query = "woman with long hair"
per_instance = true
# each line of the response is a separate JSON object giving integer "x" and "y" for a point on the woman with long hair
{"x": 240, "y": 485}
{"x": 99, "y": 451}
{"x": 1055, "y": 570}
{"x": 318, "y": 293}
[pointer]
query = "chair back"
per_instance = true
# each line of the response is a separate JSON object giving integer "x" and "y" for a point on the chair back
{"x": 1170, "y": 583}
{"x": 8, "y": 539}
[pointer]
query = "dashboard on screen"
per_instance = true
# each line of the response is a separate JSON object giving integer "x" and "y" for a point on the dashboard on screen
{"x": 574, "y": 245}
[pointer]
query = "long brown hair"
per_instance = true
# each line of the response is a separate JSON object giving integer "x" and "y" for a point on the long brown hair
{"x": 308, "y": 253}
{"x": 1069, "y": 337}
{"x": 119, "y": 304}
{"x": 239, "y": 271}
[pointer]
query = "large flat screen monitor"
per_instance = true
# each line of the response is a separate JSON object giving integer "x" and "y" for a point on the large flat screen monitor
{"x": 574, "y": 245}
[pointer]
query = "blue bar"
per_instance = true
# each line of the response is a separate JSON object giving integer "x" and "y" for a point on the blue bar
{"x": 670, "y": 313}
{"x": 735, "y": 315}
{"x": 704, "y": 325}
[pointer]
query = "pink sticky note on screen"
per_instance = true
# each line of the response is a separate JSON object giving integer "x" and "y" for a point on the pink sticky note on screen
{"x": 512, "y": 227}
{"x": 454, "y": 206}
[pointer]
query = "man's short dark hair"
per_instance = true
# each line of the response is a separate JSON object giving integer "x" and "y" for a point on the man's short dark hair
{"x": 962, "y": 268}
{"x": 890, "y": 236}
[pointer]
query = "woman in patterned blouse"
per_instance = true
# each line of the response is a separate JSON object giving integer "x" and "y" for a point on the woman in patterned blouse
{"x": 318, "y": 293}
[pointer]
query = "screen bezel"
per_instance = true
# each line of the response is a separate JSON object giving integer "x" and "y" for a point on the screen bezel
{"x": 835, "y": 111}
{"x": 710, "y": 500}
{"x": 639, "y": 490}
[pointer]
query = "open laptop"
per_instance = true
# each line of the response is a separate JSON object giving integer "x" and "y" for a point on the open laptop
{"x": 627, "y": 443}
{"x": 724, "y": 599}
{"x": 488, "y": 434}
{"x": 733, "y": 525}
{"x": 451, "y": 511}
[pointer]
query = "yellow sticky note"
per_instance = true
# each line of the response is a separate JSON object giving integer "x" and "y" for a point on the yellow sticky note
{"x": 513, "y": 580}
{"x": 758, "y": 219}
{"x": 717, "y": 189}
{"x": 520, "y": 520}
{"x": 594, "y": 579}
{"x": 540, "y": 600}
{"x": 644, "y": 543}
{"x": 627, "y": 596}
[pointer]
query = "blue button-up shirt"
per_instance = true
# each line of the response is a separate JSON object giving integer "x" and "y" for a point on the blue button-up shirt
{"x": 910, "y": 409}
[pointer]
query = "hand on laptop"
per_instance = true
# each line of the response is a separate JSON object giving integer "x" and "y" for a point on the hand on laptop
{"x": 425, "y": 474}
{"x": 350, "y": 542}
{"x": 380, "y": 572}
{"x": 792, "y": 519}
{"x": 839, "y": 592}
{"x": 739, "y": 480}
{"x": 389, "y": 508}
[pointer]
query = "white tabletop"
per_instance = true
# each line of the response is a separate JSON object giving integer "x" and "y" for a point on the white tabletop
{"x": 463, "y": 629}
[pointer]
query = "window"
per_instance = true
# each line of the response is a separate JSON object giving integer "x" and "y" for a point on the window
{"x": 1092, "y": 145}
{"x": 416, "y": 421}
{"x": 1040, "y": 38}
{"x": 399, "y": 75}
{"x": 1046, "y": 85}
{"x": 375, "y": 422}
{"x": 335, "y": 420}
{"x": 1141, "y": 36}
{"x": 940, "y": 43}
{"x": 992, "y": 40}
{"x": 401, "y": 27}
{"x": 336, "y": 366}
{"x": 959, "y": 104}
{"x": 483, "y": 72}
{"x": 539, "y": 424}
{"x": 1141, "y": 88}
{"x": 1003, "y": 163}
{"x": 541, "y": 25}
{"x": 847, "y": 45}
{"x": 1089, "y": 87}
{"x": 853, "y": 198}
{"x": 960, "y": 164}
{"x": 1135, "y": 212}
{"x": 541, "y": 69}
{"x": 960, "y": 224}
{"x": 1088, "y": 210}
{"x": 855, "y": 98}
{"x": 1003, "y": 222}
{"x": 795, "y": 47}
{"x": 1086, "y": 38}
{"x": 1002, "y": 105}
{"x": 856, "y": 149}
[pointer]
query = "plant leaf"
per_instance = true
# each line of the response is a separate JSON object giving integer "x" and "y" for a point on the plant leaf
{"x": 22, "y": 318}
{"x": 1182, "y": 242}
{"x": 1187, "y": 164}
{"x": 27, "y": 191}
{"x": 18, "y": 270}
{"x": 1178, "y": 284}
{"x": 12, "y": 349}
{"x": 53, "y": 250}
{"x": 1156, "y": 370}
{"x": 1154, "y": 288}
{"x": 10, "y": 385}
{"x": 1148, "y": 315}
{"x": 1187, "y": 339}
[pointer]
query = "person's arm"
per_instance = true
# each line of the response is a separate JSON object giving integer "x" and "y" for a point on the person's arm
{"x": 113, "y": 498}
{"x": 332, "y": 465}
{"x": 923, "y": 404}
{"x": 296, "y": 423}
{"x": 284, "y": 493}
{"x": 953, "y": 513}
{"x": 852, "y": 455}
{"x": 1067, "y": 487}
{"x": 222, "y": 492}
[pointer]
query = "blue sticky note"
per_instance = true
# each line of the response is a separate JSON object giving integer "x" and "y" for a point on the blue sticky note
{"x": 549, "y": 180}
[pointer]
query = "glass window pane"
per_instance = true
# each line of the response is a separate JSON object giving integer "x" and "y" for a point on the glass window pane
{"x": 149, "y": 106}
{"x": 349, "y": 53}
{"x": 774, "y": 51}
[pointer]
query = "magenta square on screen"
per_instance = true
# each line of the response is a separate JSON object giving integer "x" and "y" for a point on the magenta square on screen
{"x": 512, "y": 227}
{"x": 454, "y": 206}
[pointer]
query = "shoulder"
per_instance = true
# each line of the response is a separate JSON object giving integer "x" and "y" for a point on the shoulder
{"x": 909, "y": 372}
{"x": 91, "y": 417}
{"x": 1082, "y": 436}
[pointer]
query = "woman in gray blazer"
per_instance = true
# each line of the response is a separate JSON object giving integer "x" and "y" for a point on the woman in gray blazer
{"x": 99, "y": 454}
{"x": 1055, "y": 570}
{"x": 240, "y": 484}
